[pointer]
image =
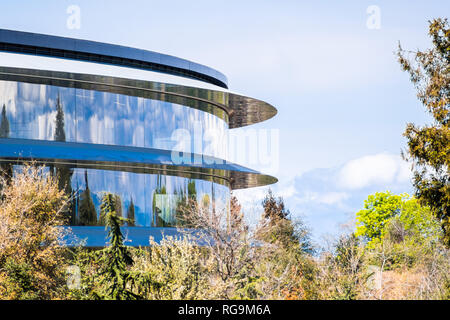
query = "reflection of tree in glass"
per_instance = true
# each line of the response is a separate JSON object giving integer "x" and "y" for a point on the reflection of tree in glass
{"x": 6, "y": 169}
{"x": 87, "y": 213}
{"x": 64, "y": 173}
{"x": 118, "y": 206}
{"x": 206, "y": 201}
{"x": 184, "y": 199}
{"x": 157, "y": 221}
{"x": 192, "y": 191}
{"x": 4, "y": 124}
{"x": 130, "y": 214}
{"x": 60, "y": 133}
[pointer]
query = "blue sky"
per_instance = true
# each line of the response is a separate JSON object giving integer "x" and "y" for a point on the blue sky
{"x": 343, "y": 101}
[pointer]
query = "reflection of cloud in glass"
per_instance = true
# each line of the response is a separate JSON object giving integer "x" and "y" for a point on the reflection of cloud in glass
{"x": 46, "y": 112}
{"x": 103, "y": 118}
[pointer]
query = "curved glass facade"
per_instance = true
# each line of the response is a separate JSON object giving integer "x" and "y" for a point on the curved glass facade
{"x": 147, "y": 200}
{"x": 45, "y": 112}
{"x": 112, "y": 130}
{"x": 150, "y": 200}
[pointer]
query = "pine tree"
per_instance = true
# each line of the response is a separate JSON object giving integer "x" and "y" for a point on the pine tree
{"x": 274, "y": 209}
{"x": 115, "y": 279}
{"x": 277, "y": 226}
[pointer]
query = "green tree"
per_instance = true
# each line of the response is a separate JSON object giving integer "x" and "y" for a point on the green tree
{"x": 382, "y": 209}
{"x": 277, "y": 227}
{"x": 114, "y": 279}
{"x": 429, "y": 146}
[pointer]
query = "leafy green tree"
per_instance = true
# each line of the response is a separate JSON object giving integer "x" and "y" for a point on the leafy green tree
{"x": 429, "y": 146}
{"x": 378, "y": 209}
{"x": 383, "y": 208}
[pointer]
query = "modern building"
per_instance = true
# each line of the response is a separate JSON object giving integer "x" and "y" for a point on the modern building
{"x": 131, "y": 122}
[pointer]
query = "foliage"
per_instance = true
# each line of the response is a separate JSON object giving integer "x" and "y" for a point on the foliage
{"x": 342, "y": 272}
{"x": 32, "y": 261}
{"x": 276, "y": 226}
{"x": 429, "y": 146}
{"x": 111, "y": 280}
{"x": 221, "y": 258}
{"x": 175, "y": 268}
{"x": 384, "y": 211}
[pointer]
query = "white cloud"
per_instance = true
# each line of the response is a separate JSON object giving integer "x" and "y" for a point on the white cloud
{"x": 375, "y": 169}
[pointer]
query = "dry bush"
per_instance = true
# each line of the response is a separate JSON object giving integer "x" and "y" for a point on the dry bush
{"x": 342, "y": 273}
{"x": 224, "y": 235}
{"x": 423, "y": 275}
{"x": 241, "y": 265}
{"x": 31, "y": 255}
{"x": 175, "y": 268}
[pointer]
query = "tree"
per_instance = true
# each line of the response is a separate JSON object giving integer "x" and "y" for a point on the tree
{"x": 114, "y": 279}
{"x": 32, "y": 263}
{"x": 398, "y": 216}
{"x": 274, "y": 209}
{"x": 276, "y": 225}
{"x": 378, "y": 209}
{"x": 429, "y": 146}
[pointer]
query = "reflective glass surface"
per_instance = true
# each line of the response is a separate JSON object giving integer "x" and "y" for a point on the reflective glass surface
{"x": 45, "y": 112}
{"x": 149, "y": 200}
{"x": 152, "y": 200}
